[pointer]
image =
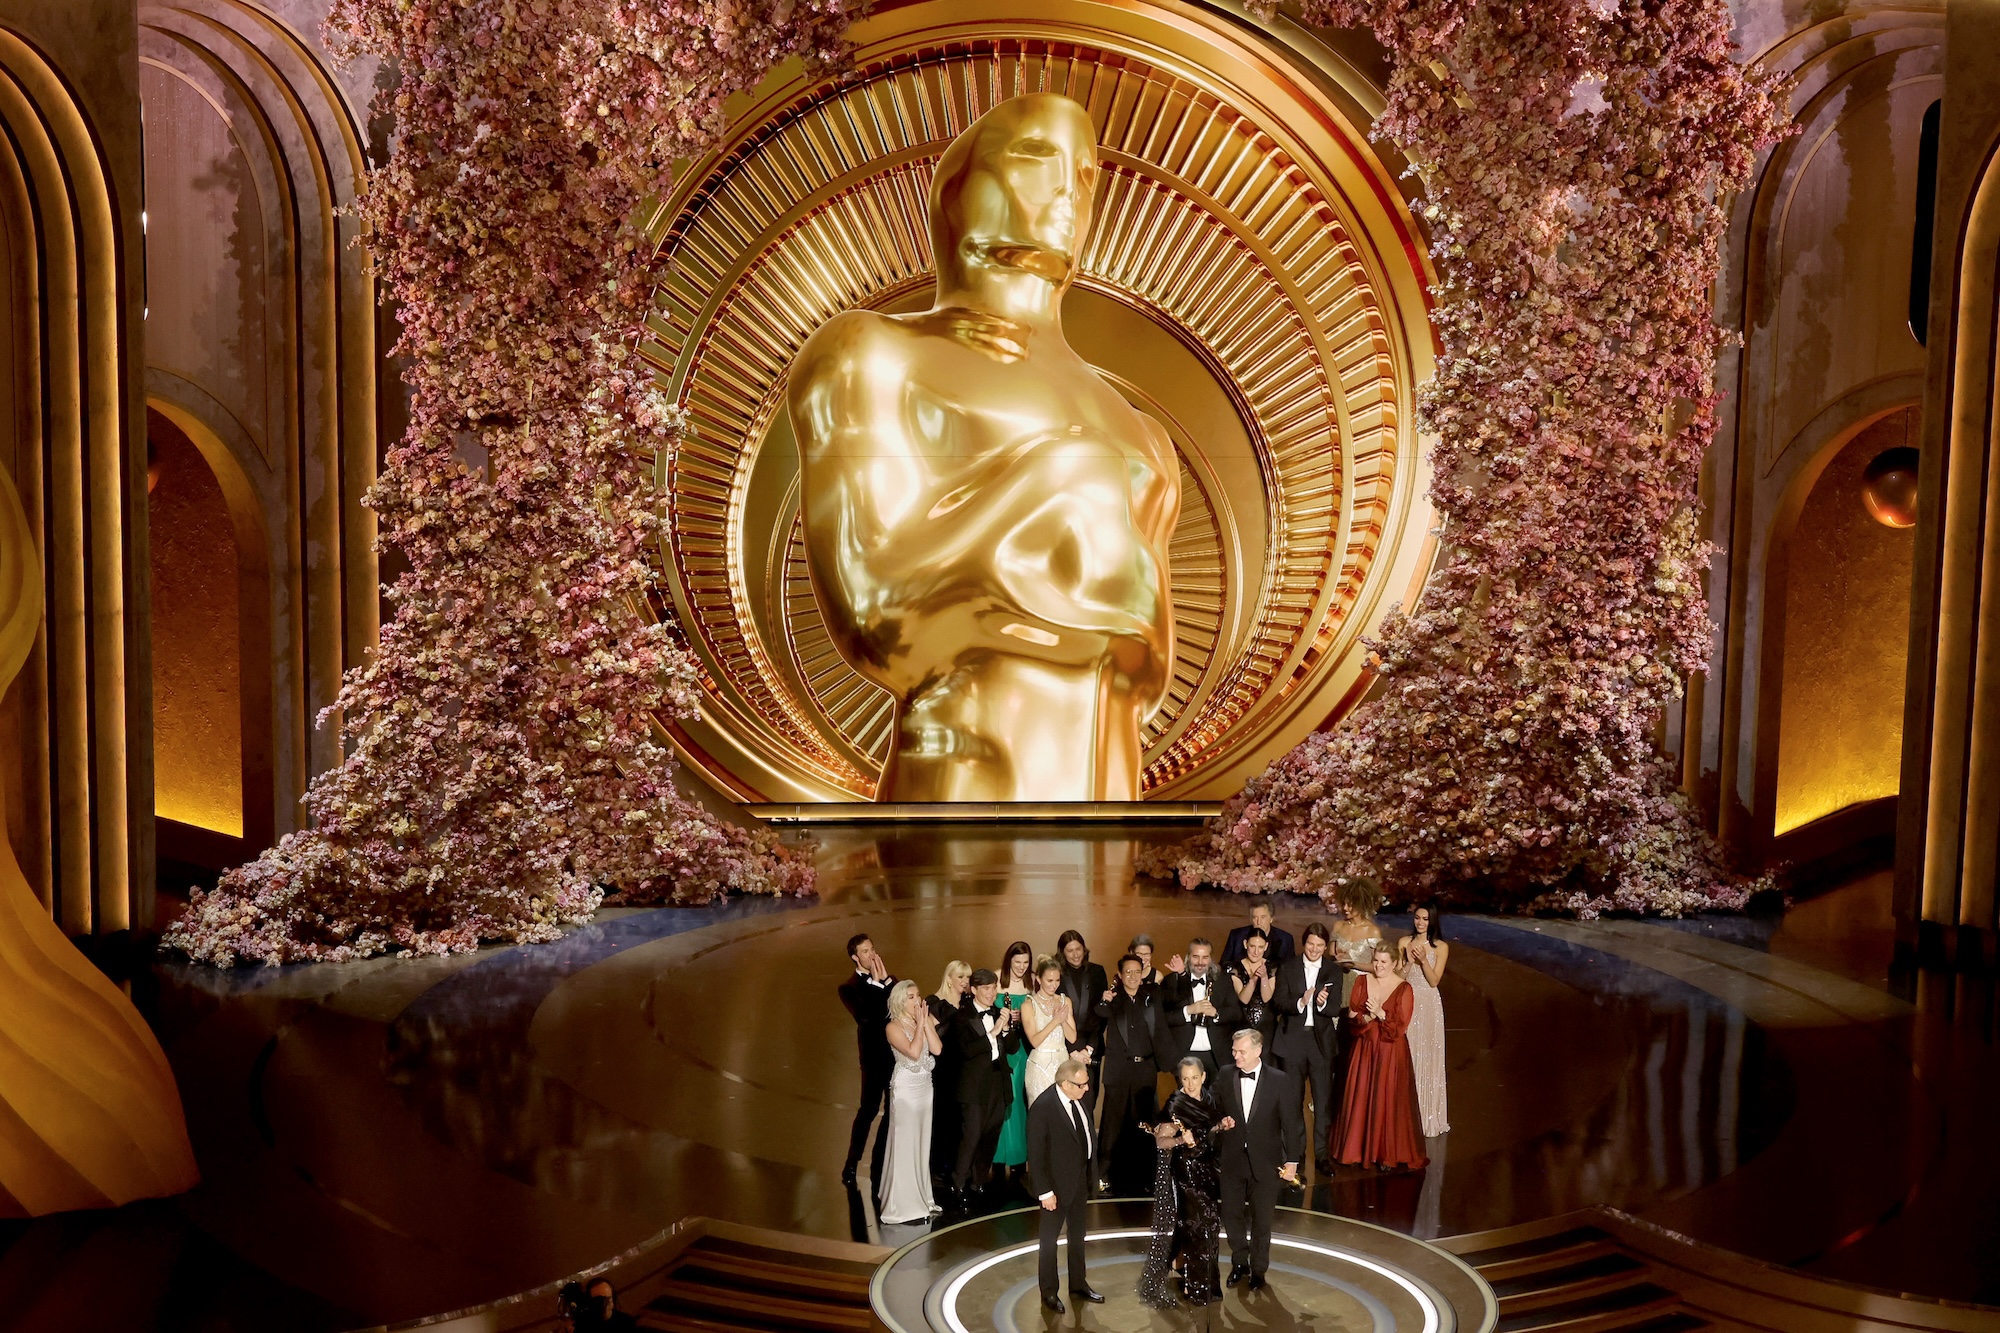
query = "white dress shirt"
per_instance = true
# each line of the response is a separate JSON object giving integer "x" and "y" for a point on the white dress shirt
{"x": 1248, "y": 1086}
{"x": 1077, "y": 1119}
{"x": 1199, "y": 991}
{"x": 989, "y": 1017}
{"x": 1306, "y": 1005}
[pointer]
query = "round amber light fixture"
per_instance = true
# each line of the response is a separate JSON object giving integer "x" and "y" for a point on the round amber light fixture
{"x": 1889, "y": 488}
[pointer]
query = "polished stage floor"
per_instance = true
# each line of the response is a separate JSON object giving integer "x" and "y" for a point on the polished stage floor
{"x": 390, "y": 1139}
{"x": 979, "y": 1276}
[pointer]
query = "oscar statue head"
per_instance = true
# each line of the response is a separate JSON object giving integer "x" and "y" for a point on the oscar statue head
{"x": 1012, "y": 196}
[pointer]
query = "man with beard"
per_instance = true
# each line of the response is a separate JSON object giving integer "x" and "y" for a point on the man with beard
{"x": 1201, "y": 1007}
{"x": 866, "y": 995}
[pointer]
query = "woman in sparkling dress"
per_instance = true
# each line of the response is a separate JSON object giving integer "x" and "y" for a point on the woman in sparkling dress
{"x": 1356, "y": 937}
{"x": 1011, "y": 1152}
{"x": 1424, "y": 956}
{"x": 906, "y": 1166}
{"x": 1186, "y": 1188}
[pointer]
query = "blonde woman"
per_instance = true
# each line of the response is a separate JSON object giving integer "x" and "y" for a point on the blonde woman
{"x": 946, "y": 1004}
{"x": 906, "y": 1168}
{"x": 1049, "y": 1024}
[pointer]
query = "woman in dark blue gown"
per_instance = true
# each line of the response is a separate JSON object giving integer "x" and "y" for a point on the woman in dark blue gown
{"x": 1186, "y": 1187}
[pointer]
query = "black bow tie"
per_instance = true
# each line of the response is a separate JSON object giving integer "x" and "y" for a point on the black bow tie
{"x": 1250, "y": 1074}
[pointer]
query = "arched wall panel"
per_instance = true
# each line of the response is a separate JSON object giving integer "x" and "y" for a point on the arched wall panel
{"x": 262, "y": 346}
{"x": 1816, "y": 276}
{"x": 84, "y": 742}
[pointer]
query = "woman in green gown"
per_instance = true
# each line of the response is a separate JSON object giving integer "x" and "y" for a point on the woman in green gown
{"x": 1012, "y": 1150}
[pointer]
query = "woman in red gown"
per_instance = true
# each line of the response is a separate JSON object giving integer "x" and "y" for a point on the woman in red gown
{"x": 1378, "y": 1123}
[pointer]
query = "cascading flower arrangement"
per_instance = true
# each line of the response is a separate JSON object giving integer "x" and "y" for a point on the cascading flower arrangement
{"x": 504, "y": 761}
{"x": 1574, "y": 157}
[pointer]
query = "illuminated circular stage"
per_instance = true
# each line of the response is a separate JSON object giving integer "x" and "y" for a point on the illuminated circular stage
{"x": 1326, "y": 1272}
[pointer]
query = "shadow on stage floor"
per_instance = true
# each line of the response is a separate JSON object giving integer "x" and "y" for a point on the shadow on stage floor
{"x": 384, "y": 1140}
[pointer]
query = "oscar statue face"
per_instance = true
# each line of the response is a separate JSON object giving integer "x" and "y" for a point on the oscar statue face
{"x": 986, "y": 518}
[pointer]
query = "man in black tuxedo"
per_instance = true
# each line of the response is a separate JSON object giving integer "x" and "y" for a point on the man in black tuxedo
{"x": 1282, "y": 949}
{"x": 1263, "y": 1138}
{"x": 984, "y": 1035}
{"x": 1059, "y": 1156}
{"x": 1308, "y": 1004}
{"x": 1085, "y": 983}
{"x": 1201, "y": 1008}
{"x": 866, "y": 995}
{"x": 1133, "y": 1042}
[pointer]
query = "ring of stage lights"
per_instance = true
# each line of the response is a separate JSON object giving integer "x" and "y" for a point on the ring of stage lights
{"x": 1252, "y": 282}
{"x": 1322, "y": 1268}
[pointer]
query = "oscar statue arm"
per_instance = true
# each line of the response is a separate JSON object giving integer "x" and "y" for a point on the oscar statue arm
{"x": 893, "y": 512}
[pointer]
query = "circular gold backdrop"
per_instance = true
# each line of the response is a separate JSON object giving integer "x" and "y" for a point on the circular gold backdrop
{"x": 1251, "y": 281}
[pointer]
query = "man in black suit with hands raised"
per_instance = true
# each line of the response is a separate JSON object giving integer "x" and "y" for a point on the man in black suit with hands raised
{"x": 866, "y": 995}
{"x": 1308, "y": 1004}
{"x": 1263, "y": 1138}
{"x": 1060, "y": 1150}
{"x": 986, "y": 1035}
{"x": 1201, "y": 1005}
{"x": 1134, "y": 1038}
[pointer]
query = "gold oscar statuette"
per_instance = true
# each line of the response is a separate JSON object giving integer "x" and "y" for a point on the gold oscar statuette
{"x": 986, "y": 517}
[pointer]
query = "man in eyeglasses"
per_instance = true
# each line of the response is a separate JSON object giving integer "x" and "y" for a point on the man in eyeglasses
{"x": 1060, "y": 1150}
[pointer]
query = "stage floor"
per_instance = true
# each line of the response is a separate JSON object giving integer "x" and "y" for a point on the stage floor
{"x": 389, "y": 1139}
{"x": 1326, "y": 1272}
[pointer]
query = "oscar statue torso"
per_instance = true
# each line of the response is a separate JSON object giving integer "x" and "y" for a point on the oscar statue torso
{"x": 986, "y": 517}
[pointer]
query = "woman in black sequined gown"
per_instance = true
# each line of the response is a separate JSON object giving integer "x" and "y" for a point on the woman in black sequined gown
{"x": 1186, "y": 1185}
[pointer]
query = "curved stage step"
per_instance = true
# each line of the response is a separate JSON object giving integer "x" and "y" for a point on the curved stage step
{"x": 1603, "y": 1271}
{"x": 1593, "y": 1271}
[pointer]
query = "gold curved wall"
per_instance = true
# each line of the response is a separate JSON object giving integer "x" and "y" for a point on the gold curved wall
{"x": 197, "y": 662}
{"x": 1252, "y": 282}
{"x": 1847, "y": 610}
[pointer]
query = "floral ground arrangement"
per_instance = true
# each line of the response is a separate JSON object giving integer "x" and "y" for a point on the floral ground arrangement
{"x": 1574, "y": 157}
{"x": 505, "y": 762}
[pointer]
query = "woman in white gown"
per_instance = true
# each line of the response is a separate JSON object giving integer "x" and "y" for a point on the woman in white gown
{"x": 905, "y": 1190}
{"x": 1050, "y": 1026}
{"x": 1424, "y": 953}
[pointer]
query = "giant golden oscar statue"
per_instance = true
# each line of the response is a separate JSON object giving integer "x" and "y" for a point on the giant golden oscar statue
{"x": 986, "y": 518}
{"x": 89, "y": 1112}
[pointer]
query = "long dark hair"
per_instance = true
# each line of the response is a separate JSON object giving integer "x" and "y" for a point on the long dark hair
{"x": 1435, "y": 932}
{"x": 1062, "y": 947}
{"x": 1007, "y": 964}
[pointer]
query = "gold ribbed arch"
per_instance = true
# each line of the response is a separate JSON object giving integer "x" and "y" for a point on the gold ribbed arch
{"x": 1223, "y": 290}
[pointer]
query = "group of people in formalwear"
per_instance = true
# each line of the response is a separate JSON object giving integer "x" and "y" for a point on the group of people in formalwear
{"x": 1050, "y": 1066}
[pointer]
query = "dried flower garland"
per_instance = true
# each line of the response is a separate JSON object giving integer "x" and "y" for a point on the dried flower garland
{"x": 504, "y": 762}
{"x": 503, "y": 759}
{"x": 1573, "y": 155}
